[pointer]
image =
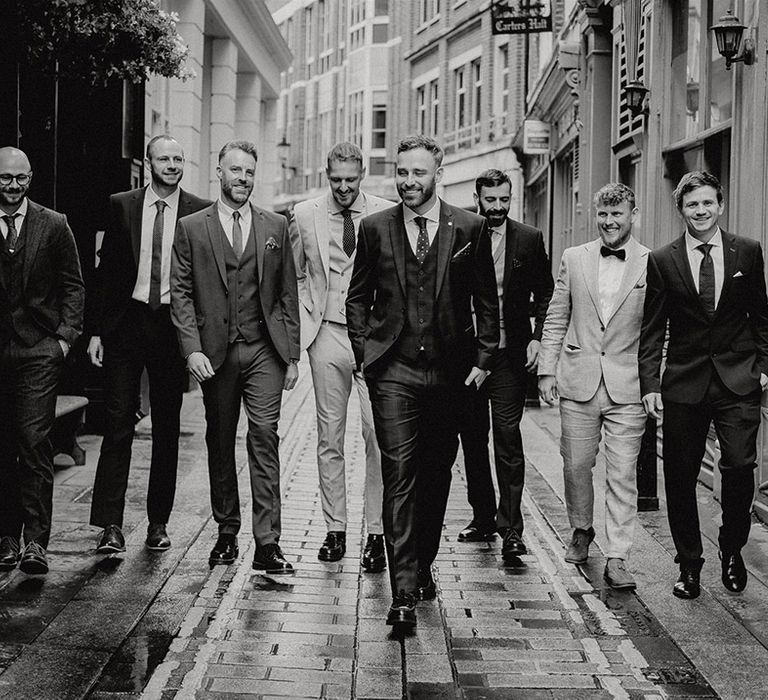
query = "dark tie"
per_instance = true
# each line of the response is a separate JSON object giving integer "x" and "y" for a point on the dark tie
{"x": 156, "y": 274}
{"x": 237, "y": 234}
{"x": 422, "y": 242}
{"x": 606, "y": 252}
{"x": 13, "y": 235}
{"x": 348, "y": 239}
{"x": 707, "y": 279}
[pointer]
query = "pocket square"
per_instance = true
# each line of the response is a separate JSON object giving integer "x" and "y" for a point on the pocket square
{"x": 739, "y": 274}
{"x": 516, "y": 264}
{"x": 461, "y": 253}
{"x": 272, "y": 244}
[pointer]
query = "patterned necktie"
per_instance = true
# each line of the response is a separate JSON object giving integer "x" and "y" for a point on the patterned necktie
{"x": 12, "y": 236}
{"x": 348, "y": 239}
{"x": 422, "y": 242}
{"x": 237, "y": 234}
{"x": 156, "y": 273}
{"x": 707, "y": 279}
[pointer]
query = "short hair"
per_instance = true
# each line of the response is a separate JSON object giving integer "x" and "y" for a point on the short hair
{"x": 491, "y": 178}
{"x": 693, "y": 180}
{"x": 414, "y": 141}
{"x": 614, "y": 193}
{"x": 155, "y": 139}
{"x": 345, "y": 151}
{"x": 248, "y": 146}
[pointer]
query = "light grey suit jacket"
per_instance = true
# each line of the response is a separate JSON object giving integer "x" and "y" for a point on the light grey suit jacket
{"x": 310, "y": 239}
{"x": 578, "y": 344}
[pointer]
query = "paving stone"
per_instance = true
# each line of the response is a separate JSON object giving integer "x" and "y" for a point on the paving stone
{"x": 377, "y": 683}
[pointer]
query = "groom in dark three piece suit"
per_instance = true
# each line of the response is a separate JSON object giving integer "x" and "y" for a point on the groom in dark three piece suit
{"x": 419, "y": 269}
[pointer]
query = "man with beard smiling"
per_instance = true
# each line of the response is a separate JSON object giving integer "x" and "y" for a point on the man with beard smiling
{"x": 41, "y": 315}
{"x": 133, "y": 331}
{"x": 419, "y": 268}
{"x": 522, "y": 271}
{"x": 589, "y": 359}
{"x": 235, "y": 306}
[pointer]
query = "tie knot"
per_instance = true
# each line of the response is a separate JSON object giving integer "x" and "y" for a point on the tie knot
{"x": 161, "y": 204}
{"x": 10, "y": 219}
{"x": 346, "y": 213}
{"x": 235, "y": 215}
{"x": 421, "y": 222}
{"x": 704, "y": 249}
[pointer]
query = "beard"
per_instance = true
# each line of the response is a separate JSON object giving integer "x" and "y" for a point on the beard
{"x": 414, "y": 197}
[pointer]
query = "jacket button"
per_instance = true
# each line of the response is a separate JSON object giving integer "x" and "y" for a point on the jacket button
{"x": 602, "y": 328}
{"x": 602, "y": 353}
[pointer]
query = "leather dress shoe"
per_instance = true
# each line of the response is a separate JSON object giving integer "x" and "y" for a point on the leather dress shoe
{"x": 578, "y": 549}
{"x": 688, "y": 586}
{"x": 270, "y": 559}
{"x": 513, "y": 545}
{"x": 225, "y": 551}
{"x": 617, "y": 576}
{"x": 157, "y": 538}
{"x": 33, "y": 560}
{"x": 111, "y": 541}
{"x": 476, "y": 533}
{"x": 402, "y": 613}
{"x": 425, "y": 585}
{"x": 10, "y": 552}
{"x": 734, "y": 572}
{"x": 374, "y": 558}
{"x": 334, "y": 546}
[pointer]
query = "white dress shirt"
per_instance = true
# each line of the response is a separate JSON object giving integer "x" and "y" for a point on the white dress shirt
{"x": 144, "y": 272}
{"x": 227, "y": 221}
{"x": 718, "y": 262}
{"x": 18, "y": 220}
{"x": 412, "y": 228}
{"x": 610, "y": 271}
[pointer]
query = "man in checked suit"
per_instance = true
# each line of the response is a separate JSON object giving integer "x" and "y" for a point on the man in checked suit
{"x": 235, "y": 307}
{"x": 41, "y": 315}
{"x": 323, "y": 234}
{"x": 589, "y": 359}
{"x": 706, "y": 291}
{"x": 419, "y": 269}
{"x": 134, "y": 331}
{"x": 522, "y": 271}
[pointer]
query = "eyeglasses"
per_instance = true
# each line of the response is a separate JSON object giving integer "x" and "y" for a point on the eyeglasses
{"x": 22, "y": 180}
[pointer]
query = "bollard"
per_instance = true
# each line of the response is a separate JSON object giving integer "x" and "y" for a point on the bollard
{"x": 647, "y": 496}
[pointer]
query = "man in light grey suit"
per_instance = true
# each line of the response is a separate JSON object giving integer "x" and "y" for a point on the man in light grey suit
{"x": 323, "y": 234}
{"x": 589, "y": 359}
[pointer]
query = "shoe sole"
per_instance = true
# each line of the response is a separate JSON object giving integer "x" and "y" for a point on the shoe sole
{"x": 572, "y": 560}
{"x": 328, "y": 558}
{"x": 685, "y": 597}
{"x": 33, "y": 568}
{"x": 273, "y": 572}
{"x": 477, "y": 538}
{"x": 620, "y": 586}
{"x": 155, "y": 548}
{"x": 401, "y": 622}
{"x": 108, "y": 549}
{"x": 377, "y": 569}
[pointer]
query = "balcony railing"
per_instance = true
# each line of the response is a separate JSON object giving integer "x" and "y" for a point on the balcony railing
{"x": 466, "y": 137}
{"x": 499, "y": 125}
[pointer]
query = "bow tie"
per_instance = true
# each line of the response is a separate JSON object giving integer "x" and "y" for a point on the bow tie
{"x": 606, "y": 252}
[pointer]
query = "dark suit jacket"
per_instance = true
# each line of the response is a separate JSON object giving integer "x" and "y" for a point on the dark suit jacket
{"x": 526, "y": 271}
{"x": 199, "y": 305}
{"x": 734, "y": 343}
{"x": 376, "y": 303}
{"x": 54, "y": 295}
{"x": 118, "y": 268}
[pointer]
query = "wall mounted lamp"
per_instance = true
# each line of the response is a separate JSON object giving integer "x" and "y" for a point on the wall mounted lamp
{"x": 634, "y": 94}
{"x": 283, "y": 151}
{"x": 732, "y": 44}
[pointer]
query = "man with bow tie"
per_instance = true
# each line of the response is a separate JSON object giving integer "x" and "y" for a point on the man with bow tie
{"x": 589, "y": 360}
{"x": 706, "y": 293}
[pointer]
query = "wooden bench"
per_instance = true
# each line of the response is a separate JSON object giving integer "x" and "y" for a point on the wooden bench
{"x": 69, "y": 418}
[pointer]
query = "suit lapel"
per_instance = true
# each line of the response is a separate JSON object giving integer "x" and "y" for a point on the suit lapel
{"x": 680, "y": 258}
{"x": 33, "y": 234}
{"x": 589, "y": 261}
{"x": 635, "y": 265}
{"x": 730, "y": 260}
{"x": 134, "y": 221}
{"x": 397, "y": 239}
{"x": 185, "y": 206}
{"x": 215, "y": 232}
{"x": 511, "y": 245}
{"x": 445, "y": 239}
{"x": 259, "y": 240}
{"x": 323, "y": 235}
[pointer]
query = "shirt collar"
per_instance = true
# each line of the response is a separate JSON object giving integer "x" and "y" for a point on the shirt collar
{"x": 432, "y": 215}
{"x": 500, "y": 230}
{"x": 716, "y": 241}
{"x": 357, "y": 206}
{"x": 150, "y": 197}
{"x": 21, "y": 211}
{"x": 245, "y": 210}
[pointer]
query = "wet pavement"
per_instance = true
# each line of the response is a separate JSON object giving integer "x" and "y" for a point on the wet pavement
{"x": 164, "y": 625}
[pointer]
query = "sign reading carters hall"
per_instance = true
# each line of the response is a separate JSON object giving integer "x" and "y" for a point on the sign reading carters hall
{"x": 521, "y": 16}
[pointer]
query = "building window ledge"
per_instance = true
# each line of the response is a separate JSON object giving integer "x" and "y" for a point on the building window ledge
{"x": 696, "y": 139}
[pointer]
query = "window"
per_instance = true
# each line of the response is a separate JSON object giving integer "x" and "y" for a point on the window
{"x": 428, "y": 10}
{"x": 502, "y": 79}
{"x": 356, "y": 118}
{"x": 381, "y": 8}
{"x": 434, "y": 105}
{"x": 377, "y": 166}
{"x": 477, "y": 92}
{"x": 380, "y": 33}
{"x": 308, "y": 53}
{"x": 460, "y": 90}
{"x": 379, "y": 131}
{"x": 421, "y": 109}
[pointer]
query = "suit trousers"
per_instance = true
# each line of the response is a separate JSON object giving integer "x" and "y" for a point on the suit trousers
{"x": 505, "y": 388}
{"x": 414, "y": 411}
{"x": 685, "y": 428}
{"x": 333, "y": 375}
{"x": 623, "y": 426}
{"x": 28, "y": 383}
{"x": 252, "y": 373}
{"x": 145, "y": 339}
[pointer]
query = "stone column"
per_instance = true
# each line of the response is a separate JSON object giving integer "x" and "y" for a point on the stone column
{"x": 223, "y": 92}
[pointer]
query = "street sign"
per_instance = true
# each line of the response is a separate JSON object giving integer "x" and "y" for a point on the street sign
{"x": 521, "y": 16}
{"x": 535, "y": 137}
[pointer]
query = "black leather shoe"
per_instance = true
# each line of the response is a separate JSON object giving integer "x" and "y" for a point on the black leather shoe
{"x": 425, "y": 585}
{"x": 225, "y": 551}
{"x": 33, "y": 560}
{"x": 476, "y": 533}
{"x": 374, "y": 558}
{"x": 734, "y": 572}
{"x": 157, "y": 538}
{"x": 270, "y": 559}
{"x": 688, "y": 586}
{"x": 513, "y": 545}
{"x": 111, "y": 541}
{"x": 402, "y": 613}
{"x": 10, "y": 553}
{"x": 334, "y": 546}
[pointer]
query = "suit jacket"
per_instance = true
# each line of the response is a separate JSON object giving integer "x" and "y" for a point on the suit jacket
{"x": 579, "y": 345}
{"x": 53, "y": 291}
{"x": 311, "y": 238}
{"x": 376, "y": 303}
{"x": 733, "y": 343}
{"x": 526, "y": 271}
{"x": 118, "y": 268}
{"x": 199, "y": 304}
